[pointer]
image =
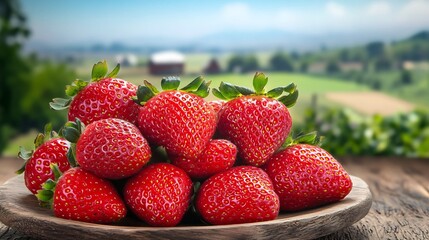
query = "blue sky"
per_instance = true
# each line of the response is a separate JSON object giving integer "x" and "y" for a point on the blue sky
{"x": 79, "y": 21}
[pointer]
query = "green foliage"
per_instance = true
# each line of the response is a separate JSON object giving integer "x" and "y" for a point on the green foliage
{"x": 241, "y": 63}
{"x": 346, "y": 133}
{"x": 27, "y": 84}
{"x": 375, "y": 49}
{"x": 281, "y": 62}
{"x": 406, "y": 77}
{"x": 47, "y": 82}
{"x": 13, "y": 68}
{"x": 333, "y": 66}
{"x": 383, "y": 63}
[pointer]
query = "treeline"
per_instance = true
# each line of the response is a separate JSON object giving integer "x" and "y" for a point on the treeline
{"x": 27, "y": 84}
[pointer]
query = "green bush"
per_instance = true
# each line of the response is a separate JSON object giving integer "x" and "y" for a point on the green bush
{"x": 347, "y": 133}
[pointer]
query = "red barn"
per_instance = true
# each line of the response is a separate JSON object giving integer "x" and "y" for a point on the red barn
{"x": 167, "y": 63}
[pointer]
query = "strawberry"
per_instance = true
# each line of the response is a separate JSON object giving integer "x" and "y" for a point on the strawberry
{"x": 217, "y": 105}
{"x": 159, "y": 194}
{"x": 49, "y": 148}
{"x": 109, "y": 148}
{"x": 306, "y": 176}
{"x": 179, "y": 120}
{"x": 218, "y": 156}
{"x": 255, "y": 121}
{"x": 238, "y": 195}
{"x": 103, "y": 97}
{"x": 82, "y": 196}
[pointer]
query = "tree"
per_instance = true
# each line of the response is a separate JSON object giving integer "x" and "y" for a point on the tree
{"x": 281, "y": 62}
{"x": 383, "y": 63}
{"x": 333, "y": 66}
{"x": 375, "y": 49}
{"x": 13, "y": 67}
{"x": 406, "y": 77}
{"x": 240, "y": 63}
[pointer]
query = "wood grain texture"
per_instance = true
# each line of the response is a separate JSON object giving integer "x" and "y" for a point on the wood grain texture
{"x": 19, "y": 210}
{"x": 400, "y": 209}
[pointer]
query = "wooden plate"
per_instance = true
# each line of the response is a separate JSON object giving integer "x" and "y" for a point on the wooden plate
{"x": 19, "y": 210}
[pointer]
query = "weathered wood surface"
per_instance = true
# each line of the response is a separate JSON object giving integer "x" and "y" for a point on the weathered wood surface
{"x": 400, "y": 209}
{"x": 19, "y": 210}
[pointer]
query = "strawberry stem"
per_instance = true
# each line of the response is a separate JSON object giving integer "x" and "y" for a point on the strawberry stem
{"x": 259, "y": 83}
{"x": 198, "y": 86}
{"x": 228, "y": 91}
{"x": 310, "y": 138}
{"x": 99, "y": 72}
{"x": 46, "y": 194}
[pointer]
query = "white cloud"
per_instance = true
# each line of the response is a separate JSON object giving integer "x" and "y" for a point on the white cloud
{"x": 335, "y": 10}
{"x": 378, "y": 8}
{"x": 414, "y": 13}
{"x": 236, "y": 13}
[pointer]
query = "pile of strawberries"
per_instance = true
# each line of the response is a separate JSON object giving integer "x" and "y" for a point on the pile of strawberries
{"x": 158, "y": 155}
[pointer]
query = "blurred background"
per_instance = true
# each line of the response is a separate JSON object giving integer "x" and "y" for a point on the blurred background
{"x": 362, "y": 67}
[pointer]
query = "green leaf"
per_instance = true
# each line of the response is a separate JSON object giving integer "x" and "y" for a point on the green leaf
{"x": 274, "y": 93}
{"x": 47, "y": 132}
{"x": 308, "y": 138}
{"x": 77, "y": 86}
{"x": 56, "y": 170}
{"x": 218, "y": 94}
{"x": 49, "y": 184}
{"x": 144, "y": 94}
{"x": 289, "y": 100}
{"x": 114, "y": 72}
{"x": 228, "y": 90}
{"x": 244, "y": 90}
{"x": 71, "y": 134}
{"x": 60, "y": 103}
{"x": 71, "y": 155}
{"x": 290, "y": 88}
{"x": 194, "y": 85}
{"x": 24, "y": 153}
{"x": 99, "y": 70}
{"x": 203, "y": 91}
{"x": 45, "y": 195}
{"x": 259, "y": 82}
{"x": 39, "y": 140}
{"x": 151, "y": 87}
{"x": 170, "y": 83}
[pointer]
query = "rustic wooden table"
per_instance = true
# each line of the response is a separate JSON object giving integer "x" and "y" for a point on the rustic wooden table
{"x": 400, "y": 208}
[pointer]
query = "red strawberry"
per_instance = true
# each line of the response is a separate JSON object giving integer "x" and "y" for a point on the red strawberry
{"x": 218, "y": 156}
{"x": 82, "y": 196}
{"x": 255, "y": 122}
{"x": 109, "y": 148}
{"x": 306, "y": 176}
{"x": 217, "y": 105}
{"x": 159, "y": 195}
{"x": 239, "y": 195}
{"x": 179, "y": 120}
{"x": 103, "y": 97}
{"x": 47, "y": 151}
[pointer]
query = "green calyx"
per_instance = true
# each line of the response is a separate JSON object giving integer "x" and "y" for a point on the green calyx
{"x": 46, "y": 194}
{"x": 41, "y": 138}
{"x": 227, "y": 91}
{"x": 199, "y": 86}
{"x": 310, "y": 138}
{"x": 99, "y": 72}
{"x": 71, "y": 132}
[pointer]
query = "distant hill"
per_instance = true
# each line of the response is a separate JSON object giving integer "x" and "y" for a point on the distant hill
{"x": 423, "y": 35}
